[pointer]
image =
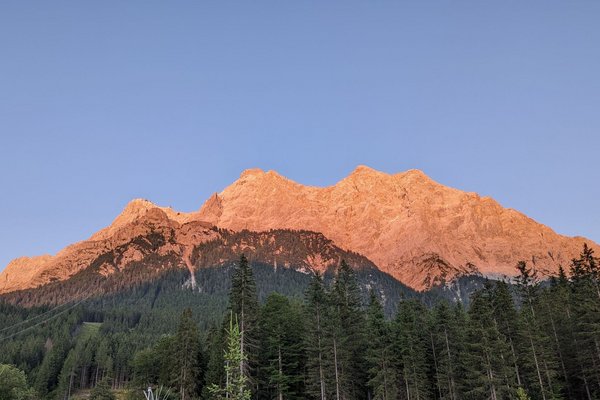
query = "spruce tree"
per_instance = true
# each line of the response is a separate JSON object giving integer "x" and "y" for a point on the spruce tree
{"x": 243, "y": 302}
{"x": 347, "y": 336}
{"x": 68, "y": 375}
{"x": 487, "y": 372}
{"x": 13, "y": 383}
{"x": 215, "y": 368}
{"x": 103, "y": 359}
{"x": 48, "y": 375}
{"x": 506, "y": 318}
{"x": 317, "y": 339}
{"x": 557, "y": 320}
{"x": 539, "y": 363}
{"x": 236, "y": 386}
{"x": 187, "y": 357}
{"x": 282, "y": 351}
{"x": 102, "y": 391}
{"x": 380, "y": 355}
{"x": 522, "y": 395}
{"x": 585, "y": 319}
{"x": 447, "y": 347}
{"x": 411, "y": 344}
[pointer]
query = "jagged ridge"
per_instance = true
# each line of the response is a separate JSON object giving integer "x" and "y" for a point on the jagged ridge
{"x": 415, "y": 229}
{"x": 412, "y": 227}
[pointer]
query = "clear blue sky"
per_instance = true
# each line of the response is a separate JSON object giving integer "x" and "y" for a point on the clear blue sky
{"x": 104, "y": 101}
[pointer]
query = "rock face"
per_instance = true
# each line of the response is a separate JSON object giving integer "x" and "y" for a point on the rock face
{"x": 413, "y": 228}
{"x": 146, "y": 236}
{"x": 419, "y": 231}
{"x": 127, "y": 232}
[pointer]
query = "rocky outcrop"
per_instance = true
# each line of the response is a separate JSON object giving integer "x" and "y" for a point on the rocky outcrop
{"x": 139, "y": 220}
{"x": 146, "y": 237}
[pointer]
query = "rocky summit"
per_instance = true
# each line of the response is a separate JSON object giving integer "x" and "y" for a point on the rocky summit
{"x": 417, "y": 230}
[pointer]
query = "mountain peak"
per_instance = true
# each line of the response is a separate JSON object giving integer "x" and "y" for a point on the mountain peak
{"x": 394, "y": 220}
{"x": 364, "y": 175}
{"x": 251, "y": 172}
{"x": 137, "y": 205}
{"x": 133, "y": 210}
{"x": 410, "y": 226}
{"x": 414, "y": 172}
{"x": 415, "y": 176}
{"x": 364, "y": 169}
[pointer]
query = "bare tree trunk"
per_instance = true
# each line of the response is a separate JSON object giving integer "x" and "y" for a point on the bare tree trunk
{"x": 490, "y": 374}
{"x": 385, "y": 391}
{"x": 70, "y": 384}
{"x": 227, "y": 381}
{"x": 280, "y": 372}
{"x": 337, "y": 377}
{"x": 560, "y": 356}
{"x": 182, "y": 388}
{"x": 597, "y": 353}
{"x": 321, "y": 373}
{"x": 537, "y": 368}
{"x": 517, "y": 373}
{"x": 96, "y": 375}
{"x": 242, "y": 331}
{"x": 587, "y": 388}
{"x": 435, "y": 365}
{"x": 450, "y": 367}
{"x": 417, "y": 391}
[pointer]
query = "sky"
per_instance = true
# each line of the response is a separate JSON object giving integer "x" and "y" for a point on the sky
{"x": 103, "y": 102}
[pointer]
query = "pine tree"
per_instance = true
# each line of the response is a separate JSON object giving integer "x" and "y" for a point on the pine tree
{"x": 447, "y": 341}
{"x": 347, "y": 336}
{"x": 539, "y": 362}
{"x": 317, "y": 343}
{"x": 13, "y": 384}
{"x": 102, "y": 391}
{"x": 68, "y": 375}
{"x": 215, "y": 369}
{"x": 187, "y": 357}
{"x": 522, "y": 395}
{"x": 487, "y": 373}
{"x": 506, "y": 318}
{"x": 103, "y": 360}
{"x": 48, "y": 374}
{"x": 236, "y": 383}
{"x": 282, "y": 353}
{"x": 557, "y": 322}
{"x": 411, "y": 342}
{"x": 585, "y": 319}
{"x": 380, "y": 354}
{"x": 244, "y": 305}
{"x": 459, "y": 339}
{"x": 591, "y": 266}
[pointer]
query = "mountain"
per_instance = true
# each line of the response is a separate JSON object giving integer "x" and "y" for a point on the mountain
{"x": 283, "y": 261}
{"x": 415, "y": 229}
{"x": 418, "y": 231}
{"x": 156, "y": 242}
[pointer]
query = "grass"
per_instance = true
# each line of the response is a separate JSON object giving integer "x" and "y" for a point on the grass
{"x": 85, "y": 394}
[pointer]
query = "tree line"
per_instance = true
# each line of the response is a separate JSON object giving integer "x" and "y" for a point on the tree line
{"x": 530, "y": 340}
{"x": 526, "y": 339}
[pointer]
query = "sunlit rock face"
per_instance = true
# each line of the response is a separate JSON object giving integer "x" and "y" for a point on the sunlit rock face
{"x": 417, "y": 230}
{"x": 141, "y": 229}
{"x": 146, "y": 235}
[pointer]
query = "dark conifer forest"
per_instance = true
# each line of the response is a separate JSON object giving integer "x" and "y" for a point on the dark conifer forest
{"x": 252, "y": 332}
